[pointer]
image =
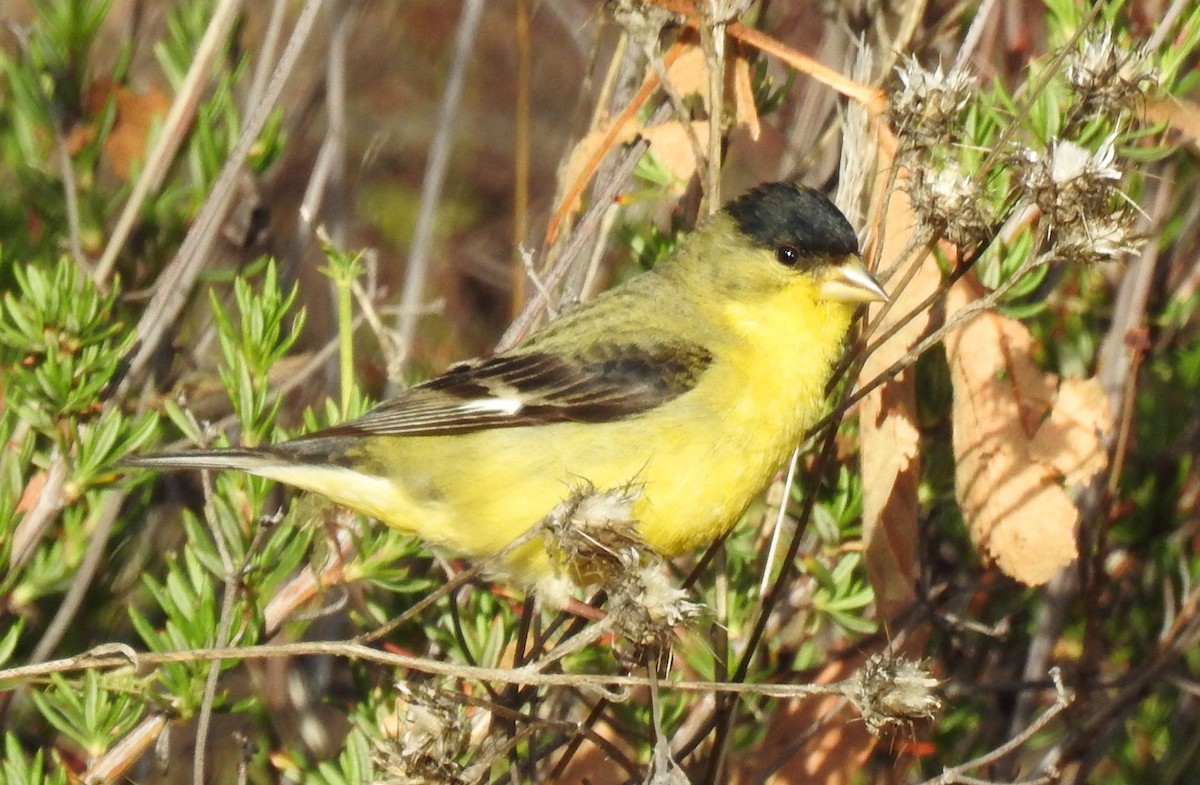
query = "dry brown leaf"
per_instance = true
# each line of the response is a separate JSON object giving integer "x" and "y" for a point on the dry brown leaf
{"x": 671, "y": 147}
{"x": 891, "y": 471}
{"x": 668, "y": 143}
{"x": 1008, "y": 489}
{"x": 43, "y": 498}
{"x": 689, "y": 76}
{"x": 608, "y": 133}
{"x": 32, "y": 492}
{"x": 119, "y": 758}
{"x": 135, "y": 116}
{"x": 1070, "y": 438}
{"x": 745, "y": 113}
{"x": 1179, "y": 114}
{"x": 888, "y": 431}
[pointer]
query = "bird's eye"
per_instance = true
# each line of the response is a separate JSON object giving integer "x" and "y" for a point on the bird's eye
{"x": 787, "y": 254}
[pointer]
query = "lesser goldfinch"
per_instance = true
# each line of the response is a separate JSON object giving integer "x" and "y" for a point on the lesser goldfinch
{"x": 690, "y": 383}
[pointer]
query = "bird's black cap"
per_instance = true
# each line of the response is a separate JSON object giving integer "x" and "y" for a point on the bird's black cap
{"x": 776, "y": 214}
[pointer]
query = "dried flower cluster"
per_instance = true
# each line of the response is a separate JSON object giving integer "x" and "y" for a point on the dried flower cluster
{"x": 426, "y": 738}
{"x": 1105, "y": 239}
{"x": 1110, "y": 80}
{"x": 1076, "y": 189}
{"x": 927, "y": 113}
{"x": 928, "y": 107}
{"x": 1085, "y": 216}
{"x": 593, "y": 536}
{"x": 1070, "y": 182}
{"x": 951, "y": 203}
{"x": 893, "y": 691}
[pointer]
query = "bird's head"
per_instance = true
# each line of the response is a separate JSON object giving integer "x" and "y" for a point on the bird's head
{"x": 797, "y": 233}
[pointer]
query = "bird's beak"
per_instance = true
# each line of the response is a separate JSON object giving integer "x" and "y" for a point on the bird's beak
{"x": 852, "y": 282}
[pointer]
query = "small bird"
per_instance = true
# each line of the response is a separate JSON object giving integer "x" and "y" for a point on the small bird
{"x": 690, "y": 385}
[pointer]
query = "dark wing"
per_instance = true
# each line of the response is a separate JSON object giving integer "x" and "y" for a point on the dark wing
{"x": 533, "y": 388}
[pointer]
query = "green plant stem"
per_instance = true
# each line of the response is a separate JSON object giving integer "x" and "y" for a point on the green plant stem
{"x": 345, "y": 322}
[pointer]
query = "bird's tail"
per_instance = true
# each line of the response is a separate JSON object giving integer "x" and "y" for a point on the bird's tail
{"x": 243, "y": 458}
{"x": 312, "y": 464}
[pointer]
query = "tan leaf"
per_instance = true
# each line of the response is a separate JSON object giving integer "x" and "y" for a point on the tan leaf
{"x": 1179, "y": 114}
{"x": 42, "y": 499}
{"x": 32, "y": 492}
{"x": 1070, "y": 439}
{"x": 689, "y": 76}
{"x": 127, "y": 752}
{"x": 671, "y": 147}
{"x": 135, "y": 116}
{"x": 745, "y": 113}
{"x": 668, "y": 143}
{"x": 1015, "y": 509}
{"x": 590, "y": 145}
{"x": 891, "y": 470}
{"x": 888, "y": 432}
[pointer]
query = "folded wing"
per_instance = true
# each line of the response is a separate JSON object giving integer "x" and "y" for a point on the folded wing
{"x": 611, "y": 382}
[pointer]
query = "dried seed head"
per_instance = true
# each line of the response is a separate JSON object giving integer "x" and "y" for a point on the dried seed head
{"x": 593, "y": 535}
{"x": 647, "y": 606}
{"x": 950, "y": 203}
{"x": 426, "y": 737}
{"x": 926, "y": 110}
{"x": 1071, "y": 184}
{"x": 893, "y": 691}
{"x": 1109, "y": 79}
{"x": 1108, "y": 238}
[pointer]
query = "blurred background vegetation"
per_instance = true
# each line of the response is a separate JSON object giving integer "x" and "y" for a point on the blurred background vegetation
{"x": 227, "y": 222}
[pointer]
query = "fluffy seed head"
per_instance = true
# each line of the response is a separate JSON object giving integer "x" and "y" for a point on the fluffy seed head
{"x": 1071, "y": 183}
{"x": 926, "y": 109}
{"x": 1109, "y": 79}
{"x": 893, "y": 691}
{"x": 950, "y": 203}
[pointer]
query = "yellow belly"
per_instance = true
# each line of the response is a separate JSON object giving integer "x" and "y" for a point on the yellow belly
{"x": 689, "y": 490}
